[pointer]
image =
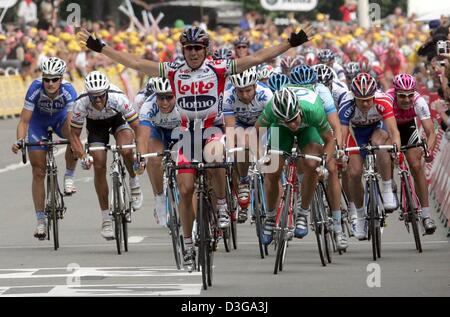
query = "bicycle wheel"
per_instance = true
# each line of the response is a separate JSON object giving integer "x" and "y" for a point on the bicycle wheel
{"x": 372, "y": 214}
{"x": 327, "y": 224}
{"x": 125, "y": 232}
{"x": 413, "y": 219}
{"x": 174, "y": 227}
{"x": 257, "y": 205}
{"x": 318, "y": 227}
{"x": 202, "y": 245}
{"x": 233, "y": 210}
{"x": 281, "y": 235}
{"x": 212, "y": 236}
{"x": 117, "y": 215}
{"x": 54, "y": 210}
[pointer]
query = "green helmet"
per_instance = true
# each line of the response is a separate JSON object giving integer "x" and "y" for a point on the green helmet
{"x": 285, "y": 104}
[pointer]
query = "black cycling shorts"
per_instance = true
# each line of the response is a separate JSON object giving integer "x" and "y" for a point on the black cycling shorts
{"x": 409, "y": 134}
{"x": 99, "y": 130}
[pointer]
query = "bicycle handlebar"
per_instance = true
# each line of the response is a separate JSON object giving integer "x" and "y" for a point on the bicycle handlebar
{"x": 156, "y": 154}
{"x": 305, "y": 156}
{"x": 112, "y": 147}
{"x": 24, "y": 145}
{"x": 371, "y": 148}
{"x": 201, "y": 166}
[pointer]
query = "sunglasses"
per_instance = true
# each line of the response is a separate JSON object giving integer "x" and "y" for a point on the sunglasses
{"x": 53, "y": 80}
{"x": 402, "y": 95}
{"x": 95, "y": 97}
{"x": 193, "y": 47}
{"x": 241, "y": 47}
{"x": 165, "y": 97}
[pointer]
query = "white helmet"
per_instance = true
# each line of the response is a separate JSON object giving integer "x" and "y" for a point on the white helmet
{"x": 285, "y": 104}
{"x": 160, "y": 85}
{"x": 96, "y": 82}
{"x": 53, "y": 66}
{"x": 265, "y": 72}
{"x": 245, "y": 79}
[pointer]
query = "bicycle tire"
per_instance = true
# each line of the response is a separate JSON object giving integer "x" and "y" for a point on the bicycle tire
{"x": 125, "y": 232}
{"x": 174, "y": 229}
{"x": 233, "y": 209}
{"x": 202, "y": 237}
{"x": 257, "y": 212}
{"x": 226, "y": 232}
{"x": 318, "y": 227}
{"x": 372, "y": 214}
{"x": 412, "y": 215}
{"x": 281, "y": 235}
{"x": 54, "y": 211}
{"x": 212, "y": 235}
{"x": 117, "y": 217}
{"x": 327, "y": 231}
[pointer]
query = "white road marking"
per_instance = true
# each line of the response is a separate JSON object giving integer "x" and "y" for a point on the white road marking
{"x": 34, "y": 273}
{"x": 136, "y": 239}
{"x": 102, "y": 290}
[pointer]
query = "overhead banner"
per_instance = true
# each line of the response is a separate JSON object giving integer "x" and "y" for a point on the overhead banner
{"x": 289, "y": 5}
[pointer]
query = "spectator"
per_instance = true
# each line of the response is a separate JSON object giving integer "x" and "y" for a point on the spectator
{"x": 28, "y": 12}
{"x": 348, "y": 11}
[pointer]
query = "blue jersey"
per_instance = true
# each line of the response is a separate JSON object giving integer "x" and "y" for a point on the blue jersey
{"x": 246, "y": 114}
{"x": 321, "y": 90}
{"x": 37, "y": 100}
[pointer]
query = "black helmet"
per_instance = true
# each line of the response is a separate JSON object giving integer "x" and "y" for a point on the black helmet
{"x": 194, "y": 35}
{"x": 242, "y": 40}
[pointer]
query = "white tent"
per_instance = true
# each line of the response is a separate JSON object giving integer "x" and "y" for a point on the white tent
{"x": 427, "y": 10}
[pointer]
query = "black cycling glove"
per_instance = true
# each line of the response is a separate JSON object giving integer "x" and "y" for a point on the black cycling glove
{"x": 297, "y": 39}
{"x": 95, "y": 44}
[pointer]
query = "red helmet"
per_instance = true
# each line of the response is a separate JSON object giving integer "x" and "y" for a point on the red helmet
{"x": 363, "y": 86}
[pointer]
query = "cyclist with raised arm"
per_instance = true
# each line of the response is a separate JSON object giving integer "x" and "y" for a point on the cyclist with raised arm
{"x": 371, "y": 117}
{"x": 290, "y": 115}
{"x": 243, "y": 104}
{"x": 304, "y": 77}
{"x": 158, "y": 119}
{"x": 47, "y": 103}
{"x": 106, "y": 110}
{"x": 409, "y": 106}
{"x": 198, "y": 85}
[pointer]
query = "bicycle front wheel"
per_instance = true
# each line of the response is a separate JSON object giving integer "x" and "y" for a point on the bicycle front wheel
{"x": 281, "y": 236}
{"x": 257, "y": 208}
{"x": 372, "y": 212}
{"x": 117, "y": 216}
{"x": 412, "y": 217}
{"x": 318, "y": 226}
{"x": 174, "y": 226}
{"x": 54, "y": 210}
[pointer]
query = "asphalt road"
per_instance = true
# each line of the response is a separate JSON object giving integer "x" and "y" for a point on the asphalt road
{"x": 87, "y": 265}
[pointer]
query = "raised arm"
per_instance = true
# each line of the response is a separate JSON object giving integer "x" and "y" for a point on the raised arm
{"x": 266, "y": 54}
{"x": 88, "y": 40}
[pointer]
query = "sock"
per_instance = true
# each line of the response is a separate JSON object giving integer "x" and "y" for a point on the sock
{"x": 221, "y": 202}
{"x": 387, "y": 186}
{"x": 69, "y": 172}
{"x": 351, "y": 209}
{"x": 272, "y": 213}
{"x": 40, "y": 215}
{"x": 244, "y": 179}
{"x": 426, "y": 212}
{"x": 361, "y": 212}
{"x": 337, "y": 216}
{"x": 134, "y": 182}
{"x": 188, "y": 243}
{"x": 105, "y": 215}
{"x": 303, "y": 212}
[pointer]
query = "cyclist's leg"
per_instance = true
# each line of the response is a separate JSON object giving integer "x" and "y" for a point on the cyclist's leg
{"x": 414, "y": 157}
{"x": 243, "y": 163}
{"x": 381, "y": 137}
{"x": 63, "y": 130}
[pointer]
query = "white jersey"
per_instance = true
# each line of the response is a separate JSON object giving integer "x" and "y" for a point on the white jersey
{"x": 341, "y": 94}
{"x": 139, "y": 100}
{"x": 246, "y": 114}
{"x": 116, "y": 103}
{"x": 150, "y": 115}
{"x": 339, "y": 72}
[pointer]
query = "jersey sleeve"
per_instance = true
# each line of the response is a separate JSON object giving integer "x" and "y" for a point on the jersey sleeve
{"x": 422, "y": 109}
{"x": 126, "y": 109}
{"x": 70, "y": 95}
{"x": 328, "y": 101}
{"x": 79, "y": 113}
{"x": 346, "y": 113}
{"x": 32, "y": 96}
{"x": 320, "y": 120}
{"x": 148, "y": 112}
{"x": 384, "y": 106}
{"x": 229, "y": 100}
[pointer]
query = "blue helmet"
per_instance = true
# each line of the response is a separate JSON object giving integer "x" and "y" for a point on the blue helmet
{"x": 277, "y": 81}
{"x": 303, "y": 75}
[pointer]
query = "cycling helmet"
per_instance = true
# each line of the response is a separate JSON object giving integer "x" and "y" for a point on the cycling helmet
{"x": 303, "y": 75}
{"x": 324, "y": 73}
{"x": 404, "y": 82}
{"x": 222, "y": 53}
{"x": 161, "y": 85}
{"x": 244, "y": 79}
{"x": 53, "y": 66}
{"x": 194, "y": 35}
{"x": 285, "y": 104}
{"x": 96, "y": 82}
{"x": 277, "y": 81}
{"x": 310, "y": 59}
{"x": 325, "y": 55}
{"x": 287, "y": 63}
{"x": 352, "y": 69}
{"x": 363, "y": 86}
{"x": 364, "y": 65}
{"x": 241, "y": 40}
{"x": 264, "y": 72}
{"x": 149, "y": 87}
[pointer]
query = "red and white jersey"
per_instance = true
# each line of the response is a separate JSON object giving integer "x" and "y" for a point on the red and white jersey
{"x": 199, "y": 93}
{"x": 419, "y": 109}
{"x": 350, "y": 114}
